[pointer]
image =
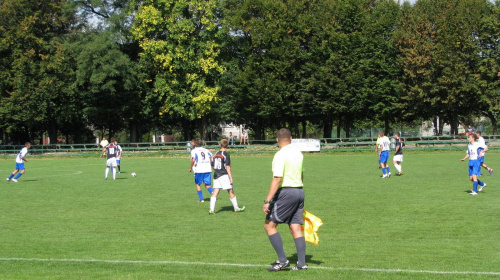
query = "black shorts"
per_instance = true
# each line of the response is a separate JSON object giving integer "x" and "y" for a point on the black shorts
{"x": 287, "y": 206}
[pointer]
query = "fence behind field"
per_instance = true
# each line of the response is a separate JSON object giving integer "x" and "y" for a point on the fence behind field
{"x": 259, "y": 146}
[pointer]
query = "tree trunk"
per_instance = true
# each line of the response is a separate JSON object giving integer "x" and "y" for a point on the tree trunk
{"x": 52, "y": 129}
{"x": 494, "y": 123}
{"x": 339, "y": 126}
{"x": 327, "y": 128}
{"x": 304, "y": 128}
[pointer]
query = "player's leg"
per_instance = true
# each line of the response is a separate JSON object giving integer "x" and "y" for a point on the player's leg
{"x": 213, "y": 200}
{"x": 19, "y": 174}
{"x": 296, "y": 229}
{"x": 387, "y": 169}
{"x": 234, "y": 201}
{"x": 198, "y": 180}
{"x": 474, "y": 184}
{"x": 207, "y": 180}
{"x": 300, "y": 245}
{"x": 277, "y": 243}
{"x": 490, "y": 170}
{"x": 12, "y": 174}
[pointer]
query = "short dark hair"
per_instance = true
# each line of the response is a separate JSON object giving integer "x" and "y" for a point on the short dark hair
{"x": 283, "y": 134}
{"x": 198, "y": 142}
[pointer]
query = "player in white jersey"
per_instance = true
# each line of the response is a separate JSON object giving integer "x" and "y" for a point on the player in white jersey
{"x": 384, "y": 144}
{"x": 20, "y": 159}
{"x": 201, "y": 165}
{"x": 484, "y": 147}
{"x": 474, "y": 153}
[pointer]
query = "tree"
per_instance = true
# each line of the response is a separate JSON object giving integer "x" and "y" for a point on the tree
{"x": 181, "y": 41}
{"x": 438, "y": 49}
{"x": 109, "y": 83}
{"x": 33, "y": 66}
{"x": 488, "y": 69}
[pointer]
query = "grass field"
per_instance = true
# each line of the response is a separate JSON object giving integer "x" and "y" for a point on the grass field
{"x": 62, "y": 220}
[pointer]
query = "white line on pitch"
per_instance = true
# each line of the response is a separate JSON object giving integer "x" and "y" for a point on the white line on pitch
{"x": 252, "y": 265}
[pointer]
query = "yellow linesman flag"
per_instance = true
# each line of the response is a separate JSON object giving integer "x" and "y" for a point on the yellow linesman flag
{"x": 310, "y": 227}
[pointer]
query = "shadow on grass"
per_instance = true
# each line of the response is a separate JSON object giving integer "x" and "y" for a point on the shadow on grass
{"x": 293, "y": 260}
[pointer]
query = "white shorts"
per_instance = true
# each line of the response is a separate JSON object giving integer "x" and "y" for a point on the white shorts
{"x": 398, "y": 158}
{"x": 111, "y": 162}
{"x": 222, "y": 182}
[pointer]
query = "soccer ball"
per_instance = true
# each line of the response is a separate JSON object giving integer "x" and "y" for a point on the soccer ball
{"x": 133, "y": 174}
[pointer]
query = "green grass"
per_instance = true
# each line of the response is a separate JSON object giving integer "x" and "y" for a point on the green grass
{"x": 64, "y": 221}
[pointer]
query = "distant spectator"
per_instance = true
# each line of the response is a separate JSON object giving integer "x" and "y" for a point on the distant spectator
{"x": 244, "y": 138}
{"x": 231, "y": 138}
{"x": 461, "y": 131}
{"x": 470, "y": 130}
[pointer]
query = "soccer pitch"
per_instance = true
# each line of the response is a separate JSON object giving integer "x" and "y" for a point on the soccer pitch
{"x": 62, "y": 220}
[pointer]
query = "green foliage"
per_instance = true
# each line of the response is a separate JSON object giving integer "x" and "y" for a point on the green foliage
{"x": 35, "y": 69}
{"x": 181, "y": 41}
{"x": 108, "y": 82}
{"x": 178, "y": 66}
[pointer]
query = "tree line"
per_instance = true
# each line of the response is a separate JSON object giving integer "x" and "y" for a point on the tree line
{"x": 69, "y": 68}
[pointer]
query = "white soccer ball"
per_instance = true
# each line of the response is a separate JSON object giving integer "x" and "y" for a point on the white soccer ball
{"x": 133, "y": 174}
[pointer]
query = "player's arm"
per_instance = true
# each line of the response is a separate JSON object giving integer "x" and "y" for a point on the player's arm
{"x": 466, "y": 157}
{"x": 192, "y": 164}
{"x": 398, "y": 147}
{"x": 275, "y": 184}
{"x": 228, "y": 169}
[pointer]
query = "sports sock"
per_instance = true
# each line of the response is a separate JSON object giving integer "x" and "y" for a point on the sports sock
{"x": 106, "y": 173}
{"x": 300, "y": 244}
{"x": 388, "y": 169}
{"x": 200, "y": 195}
{"x": 210, "y": 190}
{"x": 18, "y": 175}
{"x": 213, "y": 199}
{"x": 480, "y": 183}
{"x": 474, "y": 186}
{"x": 277, "y": 243}
{"x": 114, "y": 173}
{"x": 398, "y": 167}
{"x": 234, "y": 202}
{"x": 119, "y": 170}
{"x": 11, "y": 175}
